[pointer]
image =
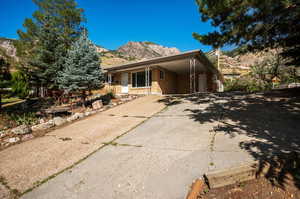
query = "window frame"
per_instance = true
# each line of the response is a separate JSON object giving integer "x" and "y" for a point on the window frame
{"x": 163, "y": 74}
{"x": 144, "y": 71}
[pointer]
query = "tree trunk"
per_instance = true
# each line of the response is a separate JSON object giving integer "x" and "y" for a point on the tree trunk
{"x": 83, "y": 99}
{"x": 0, "y": 101}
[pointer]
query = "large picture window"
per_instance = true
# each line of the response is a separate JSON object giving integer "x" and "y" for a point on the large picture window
{"x": 139, "y": 79}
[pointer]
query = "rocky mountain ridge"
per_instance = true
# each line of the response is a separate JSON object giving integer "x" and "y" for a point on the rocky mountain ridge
{"x": 146, "y": 50}
{"x": 235, "y": 63}
{"x": 132, "y": 51}
{"x": 136, "y": 51}
{"x": 8, "y": 48}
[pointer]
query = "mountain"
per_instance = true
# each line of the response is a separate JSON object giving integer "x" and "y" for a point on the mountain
{"x": 8, "y": 52}
{"x": 101, "y": 49}
{"x": 132, "y": 51}
{"x": 238, "y": 62}
{"x": 135, "y": 51}
{"x": 145, "y": 50}
{"x": 7, "y": 48}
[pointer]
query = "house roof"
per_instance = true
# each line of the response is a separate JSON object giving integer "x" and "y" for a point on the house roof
{"x": 195, "y": 53}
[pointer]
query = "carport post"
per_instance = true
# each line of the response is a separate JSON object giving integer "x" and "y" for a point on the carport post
{"x": 147, "y": 71}
{"x": 192, "y": 75}
{"x": 109, "y": 78}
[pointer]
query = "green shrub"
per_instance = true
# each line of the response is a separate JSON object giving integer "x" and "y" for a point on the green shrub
{"x": 111, "y": 95}
{"x": 107, "y": 97}
{"x": 235, "y": 85}
{"x": 19, "y": 85}
{"x": 246, "y": 84}
{"x": 28, "y": 118}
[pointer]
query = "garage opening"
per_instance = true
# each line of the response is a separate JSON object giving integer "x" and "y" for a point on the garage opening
{"x": 184, "y": 76}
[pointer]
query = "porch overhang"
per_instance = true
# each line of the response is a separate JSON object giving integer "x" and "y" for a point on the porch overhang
{"x": 176, "y": 63}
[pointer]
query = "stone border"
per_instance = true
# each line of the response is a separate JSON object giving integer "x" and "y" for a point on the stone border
{"x": 24, "y": 133}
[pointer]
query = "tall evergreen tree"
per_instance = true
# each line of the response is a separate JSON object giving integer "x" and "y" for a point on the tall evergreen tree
{"x": 54, "y": 27}
{"x": 82, "y": 71}
{"x": 258, "y": 24}
{"x": 4, "y": 77}
{"x": 47, "y": 56}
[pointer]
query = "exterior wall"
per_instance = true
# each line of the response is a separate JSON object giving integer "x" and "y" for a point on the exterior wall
{"x": 183, "y": 84}
{"x": 164, "y": 86}
{"x": 171, "y": 84}
{"x": 167, "y": 85}
{"x": 210, "y": 83}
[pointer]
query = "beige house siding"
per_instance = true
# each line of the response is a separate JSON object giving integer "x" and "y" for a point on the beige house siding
{"x": 172, "y": 83}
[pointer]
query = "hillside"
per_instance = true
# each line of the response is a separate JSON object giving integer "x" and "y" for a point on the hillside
{"x": 235, "y": 63}
{"x": 145, "y": 50}
{"x": 232, "y": 63}
{"x": 7, "y": 47}
{"x": 132, "y": 51}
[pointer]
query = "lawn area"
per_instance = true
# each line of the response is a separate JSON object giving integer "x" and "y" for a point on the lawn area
{"x": 10, "y": 100}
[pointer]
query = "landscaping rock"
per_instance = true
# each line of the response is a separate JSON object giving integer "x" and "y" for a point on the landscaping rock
{"x": 97, "y": 104}
{"x": 4, "y": 192}
{"x": 124, "y": 99}
{"x": 12, "y": 140}
{"x": 43, "y": 126}
{"x": 93, "y": 112}
{"x": 27, "y": 137}
{"x": 2, "y": 134}
{"x": 87, "y": 113}
{"x": 76, "y": 116}
{"x": 79, "y": 115}
{"x": 21, "y": 130}
{"x": 71, "y": 118}
{"x": 59, "y": 121}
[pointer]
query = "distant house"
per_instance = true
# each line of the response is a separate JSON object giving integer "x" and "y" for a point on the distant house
{"x": 184, "y": 73}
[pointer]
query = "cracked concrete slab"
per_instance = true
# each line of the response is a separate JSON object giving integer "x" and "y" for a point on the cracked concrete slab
{"x": 173, "y": 150}
{"x": 25, "y": 165}
{"x": 176, "y": 146}
{"x": 127, "y": 172}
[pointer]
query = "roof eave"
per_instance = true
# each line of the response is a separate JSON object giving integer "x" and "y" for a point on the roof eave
{"x": 155, "y": 60}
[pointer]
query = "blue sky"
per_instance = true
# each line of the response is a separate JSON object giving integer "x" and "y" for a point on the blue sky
{"x": 112, "y": 23}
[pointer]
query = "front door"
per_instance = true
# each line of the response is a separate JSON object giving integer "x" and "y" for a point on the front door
{"x": 202, "y": 83}
{"x": 124, "y": 82}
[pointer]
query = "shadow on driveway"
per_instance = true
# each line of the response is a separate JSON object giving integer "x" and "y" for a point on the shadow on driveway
{"x": 272, "y": 119}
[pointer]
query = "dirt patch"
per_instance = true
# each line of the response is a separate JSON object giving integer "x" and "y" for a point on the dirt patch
{"x": 277, "y": 179}
{"x": 256, "y": 189}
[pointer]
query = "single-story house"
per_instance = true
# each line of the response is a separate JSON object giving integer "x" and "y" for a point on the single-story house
{"x": 184, "y": 73}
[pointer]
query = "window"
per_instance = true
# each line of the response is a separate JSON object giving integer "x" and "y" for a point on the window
{"x": 107, "y": 80}
{"x": 161, "y": 75}
{"x": 139, "y": 79}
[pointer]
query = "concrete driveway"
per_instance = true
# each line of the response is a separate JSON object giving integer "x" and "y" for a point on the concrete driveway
{"x": 25, "y": 165}
{"x": 158, "y": 159}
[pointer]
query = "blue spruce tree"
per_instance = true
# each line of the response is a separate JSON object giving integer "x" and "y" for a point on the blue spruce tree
{"x": 82, "y": 71}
